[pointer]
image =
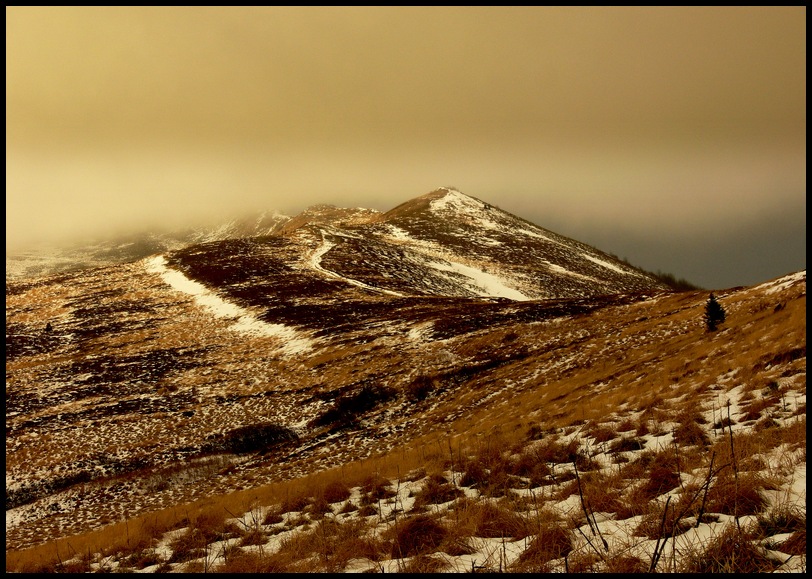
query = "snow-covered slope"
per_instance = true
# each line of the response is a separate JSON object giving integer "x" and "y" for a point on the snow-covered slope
{"x": 448, "y": 243}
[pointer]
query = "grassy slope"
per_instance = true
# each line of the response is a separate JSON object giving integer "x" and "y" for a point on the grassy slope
{"x": 647, "y": 366}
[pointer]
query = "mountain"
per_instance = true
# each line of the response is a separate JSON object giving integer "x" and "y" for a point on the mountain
{"x": 67, "y": 257}
{"x": 340, "y": 335}
{"x": 454, "y": 243}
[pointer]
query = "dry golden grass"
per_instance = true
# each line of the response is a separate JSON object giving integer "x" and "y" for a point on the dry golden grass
{"x": 493, "y": 520}
{"x": 436, "y": 490}
{"x": 796, "y": 543}
{"x": 252, "y": 562}
{"x": 732, "y": 551}
{"x": 551, "y": 541}
{"x": 515, "y": 436}
{"x": 425, "y": 564}
{"x": 328, "y": 545}
{"x": 415, "y": 535}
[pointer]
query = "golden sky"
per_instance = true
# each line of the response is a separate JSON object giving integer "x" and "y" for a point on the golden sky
{"x": 648, "y": 121}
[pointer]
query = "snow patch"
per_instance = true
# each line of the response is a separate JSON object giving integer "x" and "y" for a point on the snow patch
{"x": 488, "y": 284}
{"x": 561, "y": 270}
{"x": 537, "y": 235}
{"x": 607, "y": 265}
{"x": 782, "y": 283}
{"x": 453, "y": 199}
{"x": 461, "y": 204}
{"x": 245, "y": 322}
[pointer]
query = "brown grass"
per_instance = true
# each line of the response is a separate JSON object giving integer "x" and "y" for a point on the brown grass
{"x": 484, "y": 518}
{"x": 252, "y": 562}
{"x": 795, "y": 544}
{"x": 687, "y": 365}
{"x": 436, "y": 490}
{"x": 203, "y": 528}
{"x": 737, "y": 496}
{"x": 732, "y": 551}
{"x": 416, "y": 535}
{"x": 329, "y": 545}
{"x": 425, "y": 564}
{"x": 552, "y": 541}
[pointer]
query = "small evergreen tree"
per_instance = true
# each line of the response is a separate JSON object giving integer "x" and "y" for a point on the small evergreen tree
{"x": 714, "y": 313}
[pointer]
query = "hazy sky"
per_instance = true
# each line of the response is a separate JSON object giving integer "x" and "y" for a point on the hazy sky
{"x": 672, "y": 137}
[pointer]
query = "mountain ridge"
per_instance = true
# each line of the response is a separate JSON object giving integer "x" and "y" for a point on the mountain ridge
{"x": 415, "y": 217}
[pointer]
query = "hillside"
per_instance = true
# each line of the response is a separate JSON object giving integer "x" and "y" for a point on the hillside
{"x": 351, "y": 334}
{"x": 51, "y": 258}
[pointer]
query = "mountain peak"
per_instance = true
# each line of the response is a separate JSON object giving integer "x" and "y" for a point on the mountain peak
{"x": 443, "y": 191}
{"x": 436, "y": 199}
{"x": 446, "y": 192}
{"x": 448, "y": 243}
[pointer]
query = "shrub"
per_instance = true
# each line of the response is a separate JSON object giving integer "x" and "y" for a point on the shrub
{"x": 795, "y": 544}
{"x": 294, "y": 503}
{"x": 740, "y": 497}
{"x": 535, "y": 432}
{"x": 367, "y": 510}
{"x": 689, "y": 432}
{"x": 144, "y": 558}
{"x": 333, "y": 544}
{"x": 348, "y": 407}
{"x": 723, "y": 423}
{"x": 551, "y": 450}
{"x": 714, "y": 313}
{"x": 274, "y": 516}
{"x": 251, "y": 562}
{"x": 420, "y": 388}
{"x": 436, "y": 490}
{"x": 654, "y": 526}
{"x": 187, "y": 546}
{"x": 336, "y": 491}
{"x": 626, "y": 445}
{"x": 764, "y": 424}
{"x": 493, "y": 521}
{"x": 553, "y": 541}
{"x": 602, "y": 433}
{"x": 732, "y": 551}
{"x": 781, "y": 520}
{"x": 661, "y": 478}
{"x": 318, "y": 507}
{"x": 254, "y": 537}
{"x": 251, "y": 438}
{"x": 602, "y": 495}
{"x": 474, "y": 475}
{"x": 73, "y": 566}
{"x": 425, "y": 564}
{"x": 626, "y": 564}
{"x": 753, "y": 410}
{"x": 204, "y": 528}
{"x": 499, "y": 483}
{"x": 642, "y": 428}
{"x": 417, "y": 535}
{"x": 375, "y": 488}
{"x": 529, "y": 466}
